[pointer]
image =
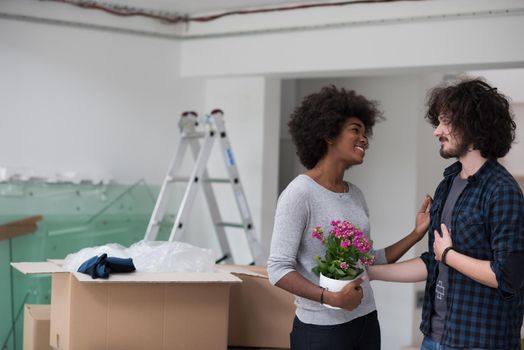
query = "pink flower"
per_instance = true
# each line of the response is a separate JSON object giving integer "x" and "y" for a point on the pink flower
{"x": 367, "y": 261}
{"x": 317, "y": 233}
{"x": 362, "y": 244}
{"x": 347, "y": 249}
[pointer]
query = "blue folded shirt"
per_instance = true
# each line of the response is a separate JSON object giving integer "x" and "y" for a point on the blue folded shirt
{"x": 101, "y": 266}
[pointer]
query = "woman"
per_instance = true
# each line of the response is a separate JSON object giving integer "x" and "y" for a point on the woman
{"x": 330, "y": 131}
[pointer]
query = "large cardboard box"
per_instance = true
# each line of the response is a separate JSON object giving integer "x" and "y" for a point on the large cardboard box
{"x": 36, "y": 327}
{"x": 137, "y": 310}
{"x": 260, "y": 314}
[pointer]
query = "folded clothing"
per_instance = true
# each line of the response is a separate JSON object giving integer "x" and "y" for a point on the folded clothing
{"x": 101, "y": 266}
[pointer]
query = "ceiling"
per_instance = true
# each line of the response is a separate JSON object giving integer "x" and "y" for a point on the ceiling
{"x": 209, "y": 6}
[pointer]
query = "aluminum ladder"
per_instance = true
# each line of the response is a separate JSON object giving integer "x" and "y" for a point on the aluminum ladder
{"x": 190, "y": 137}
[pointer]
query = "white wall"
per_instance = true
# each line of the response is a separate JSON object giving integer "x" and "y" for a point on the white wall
{"x": 98, "y": 101}
{"x": 509, "y": 82}
{"x": 89, "y": 101}
{"x": 514, "y": 160}
{"x": 49, "y": 11}
{"x": 288, "y": 165}
{"x": 103, "y": 103}
{"x": 363, "y": 39}
{"x": 251, "y": 106}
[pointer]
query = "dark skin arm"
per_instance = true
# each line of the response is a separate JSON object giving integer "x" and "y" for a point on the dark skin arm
{"x": 351, "y": 295}
{"x": 348, "y": 298}
{"x": 396, "y": 250}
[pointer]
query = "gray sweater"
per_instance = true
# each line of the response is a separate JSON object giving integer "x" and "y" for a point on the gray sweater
{"x": 302, "y": 206}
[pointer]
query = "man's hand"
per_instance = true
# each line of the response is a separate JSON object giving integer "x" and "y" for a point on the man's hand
{"x": 441, "y": 242}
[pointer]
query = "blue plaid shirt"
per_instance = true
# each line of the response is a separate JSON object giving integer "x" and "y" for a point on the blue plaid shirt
{"x": 487, "y": 224}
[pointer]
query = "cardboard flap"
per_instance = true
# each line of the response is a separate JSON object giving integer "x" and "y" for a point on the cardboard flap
{"x": 163, "y": 277}
{"x": 30, "y": 268}
{"x": 58, "y": 262}
{"x": 241, "y": 270}
{"x": 39, "y": 312}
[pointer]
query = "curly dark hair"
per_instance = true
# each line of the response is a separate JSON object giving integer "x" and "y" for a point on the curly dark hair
{"x": 321, "y": 117}
{"x": 478, "y": 114}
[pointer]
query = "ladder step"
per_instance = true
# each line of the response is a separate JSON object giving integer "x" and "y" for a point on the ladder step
{"x": 186, "y": 179}
{"x": 217, "y": 180}
{"x": 229, "y": 224}
{"x": 178, "y": 179}
{"x": 194, "y": 135}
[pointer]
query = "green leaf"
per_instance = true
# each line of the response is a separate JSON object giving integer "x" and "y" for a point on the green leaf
{"x": 340, "y": 272}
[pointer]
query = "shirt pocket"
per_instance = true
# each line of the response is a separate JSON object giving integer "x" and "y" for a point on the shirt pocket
{"x": 470, "y": 234}
{"x": 434, "y": 213}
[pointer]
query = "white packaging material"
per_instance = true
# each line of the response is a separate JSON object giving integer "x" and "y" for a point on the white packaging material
{"x": 159, "y": 256}
{"x": 73, "y": 261}
{"x": 151, "y": 256}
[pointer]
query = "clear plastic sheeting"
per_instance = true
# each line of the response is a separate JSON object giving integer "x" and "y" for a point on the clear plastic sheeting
{"x": 161, "y": 256}
{"x": 151, "y": 256}
{"x": 73, "y": 261}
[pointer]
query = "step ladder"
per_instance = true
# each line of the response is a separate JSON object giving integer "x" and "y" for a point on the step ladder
{"x": 214, "y": 128}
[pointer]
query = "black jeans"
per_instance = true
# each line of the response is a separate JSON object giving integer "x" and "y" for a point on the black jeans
{"x": 362, "y": 333}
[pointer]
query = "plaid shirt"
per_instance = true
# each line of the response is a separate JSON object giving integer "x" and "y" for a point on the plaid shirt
{"x": 487, "y": 224}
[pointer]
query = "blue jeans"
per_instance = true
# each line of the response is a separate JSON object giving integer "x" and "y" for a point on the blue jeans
{"x": 430, "y": 344}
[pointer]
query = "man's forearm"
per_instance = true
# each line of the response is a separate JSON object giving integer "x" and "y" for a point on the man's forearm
{"x": 478, "y": 270}
{"x": 413, "y": 270}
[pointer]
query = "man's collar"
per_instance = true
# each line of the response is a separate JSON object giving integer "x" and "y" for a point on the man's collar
{"x": 484, "y": 169}
{"x": 456, "y": 167}
{"x": 453, "y": 169}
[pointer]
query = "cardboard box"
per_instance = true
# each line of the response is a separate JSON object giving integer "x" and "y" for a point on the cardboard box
{"x": 260, "y": 314}
{"x": 137, "y": 310}
{"x": 36, "y": 327}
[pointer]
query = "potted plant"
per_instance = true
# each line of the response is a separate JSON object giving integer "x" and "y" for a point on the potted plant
{"x": 347, "y": 253}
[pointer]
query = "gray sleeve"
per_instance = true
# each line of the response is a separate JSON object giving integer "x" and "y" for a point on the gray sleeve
{"x": 291, "y": 220}
{"x": 380, "y": 257}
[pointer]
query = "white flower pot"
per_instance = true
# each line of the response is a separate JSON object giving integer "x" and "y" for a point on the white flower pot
{"x": 333, "y": 285}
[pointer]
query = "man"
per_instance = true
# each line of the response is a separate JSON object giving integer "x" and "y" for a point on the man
{"x": 474, "y": 268}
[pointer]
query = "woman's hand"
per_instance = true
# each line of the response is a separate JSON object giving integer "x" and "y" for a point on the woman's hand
{"x": 348, "y": 298}
{"x": 422, "y": 220}
{"x": 396, "y": 250}
{"x": 441, "y": 242}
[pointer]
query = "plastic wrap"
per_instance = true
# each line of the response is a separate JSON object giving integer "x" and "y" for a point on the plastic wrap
{"x": 73, "y": 261}
{"x": 151, "y": 256}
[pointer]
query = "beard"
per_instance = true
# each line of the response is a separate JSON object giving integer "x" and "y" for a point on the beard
{"x": 458, "y": 151}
